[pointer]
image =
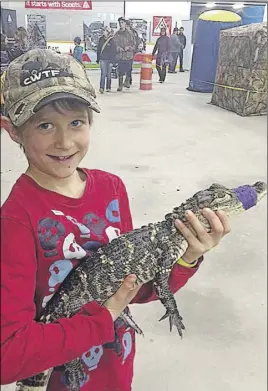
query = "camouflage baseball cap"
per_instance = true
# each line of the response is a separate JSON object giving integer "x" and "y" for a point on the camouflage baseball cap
{"x": 38, "y": 77}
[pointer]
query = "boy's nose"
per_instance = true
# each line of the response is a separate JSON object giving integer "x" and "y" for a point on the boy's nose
{"x": 63, "y": 140}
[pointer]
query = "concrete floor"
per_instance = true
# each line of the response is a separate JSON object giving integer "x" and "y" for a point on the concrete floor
{"x": 166, "y": 144}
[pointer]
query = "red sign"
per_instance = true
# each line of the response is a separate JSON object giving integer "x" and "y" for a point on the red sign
{"x": 160, "y": 22}
{"x": 60, "y": 5}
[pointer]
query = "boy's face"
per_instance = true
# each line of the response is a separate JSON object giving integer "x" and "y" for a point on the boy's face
{"x": 56, "y": 142}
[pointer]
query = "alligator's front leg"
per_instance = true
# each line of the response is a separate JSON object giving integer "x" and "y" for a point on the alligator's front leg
{"x": 164, "y": 294}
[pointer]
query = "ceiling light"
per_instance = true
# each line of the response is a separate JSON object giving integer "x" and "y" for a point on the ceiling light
{"x": 238, "y": 5}
{"x": 210, "y": 5}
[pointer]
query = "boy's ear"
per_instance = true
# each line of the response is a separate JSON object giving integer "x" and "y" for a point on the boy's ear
{"x": 9, "y": 127}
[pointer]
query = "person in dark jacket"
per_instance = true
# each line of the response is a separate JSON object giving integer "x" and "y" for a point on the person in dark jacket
{"x": 182, "y": 39}
{"x": 176, "y": 47}
{"x": 163, "y": 58}
{"x": 106, "y": 57}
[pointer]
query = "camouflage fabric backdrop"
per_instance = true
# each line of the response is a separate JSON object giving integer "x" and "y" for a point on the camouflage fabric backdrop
{"x": 242, "y": 66}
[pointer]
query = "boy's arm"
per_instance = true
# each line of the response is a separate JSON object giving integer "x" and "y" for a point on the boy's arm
{"x": 29, "y": 347}
{"x": 179, "y": 275}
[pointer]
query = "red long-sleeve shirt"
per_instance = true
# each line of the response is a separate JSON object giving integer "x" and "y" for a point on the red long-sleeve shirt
{"x": 45, "y": 235}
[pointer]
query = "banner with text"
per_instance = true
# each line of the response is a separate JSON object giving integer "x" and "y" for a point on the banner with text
{"x": 60, "y": 5}
{"x": 161, "y": 22}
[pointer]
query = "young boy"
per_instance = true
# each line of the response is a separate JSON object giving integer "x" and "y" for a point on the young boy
{"x": 78, "y": 50}
{"x": 55, "y": 215}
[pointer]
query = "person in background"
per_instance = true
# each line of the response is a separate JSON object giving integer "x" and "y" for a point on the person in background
{"x": 5, "y": 60}
{"x": 163, "y": 58}
{"x": 144, "y": 40}
{"x": 106, "y": 57}
{"x": 176, "y": 47}
{"x": 136, "y": 41}
{"x": 21, "y": 45}
{"x": 78, "y": 50}
{"x": 182, "y": 39}
{"x": 125, "y": 53}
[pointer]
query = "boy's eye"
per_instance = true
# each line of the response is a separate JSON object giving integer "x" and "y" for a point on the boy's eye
{"x": 45, "y": 126}
{"x": 76, "y": 123}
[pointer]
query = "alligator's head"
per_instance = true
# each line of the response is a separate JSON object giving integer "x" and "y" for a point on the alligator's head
{"x": 231, "y": 201}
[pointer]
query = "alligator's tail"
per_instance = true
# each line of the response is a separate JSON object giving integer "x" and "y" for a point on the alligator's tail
{"x": 35, "y": 383}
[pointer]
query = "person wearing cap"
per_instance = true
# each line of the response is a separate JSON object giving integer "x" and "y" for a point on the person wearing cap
{"x": 136, "y": 42}
{"x": 176, "y": 47}
{"x": 163, "y": 49}
{"x": 125, "y": 52}
{"x": 106, "y": 57}
{"x": 78, "y": 50}
{"x": 58, "y": 213}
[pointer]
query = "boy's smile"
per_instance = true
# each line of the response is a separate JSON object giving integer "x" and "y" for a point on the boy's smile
{"x": 62, "y": 158}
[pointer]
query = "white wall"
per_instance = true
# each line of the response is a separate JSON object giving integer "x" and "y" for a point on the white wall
{"x": 65, "y": 25}
{"x": 179, "y": 10}
{"x": 265, "y": 14}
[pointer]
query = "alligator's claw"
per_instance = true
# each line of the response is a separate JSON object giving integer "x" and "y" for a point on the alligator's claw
{"x": 174, "y": 320}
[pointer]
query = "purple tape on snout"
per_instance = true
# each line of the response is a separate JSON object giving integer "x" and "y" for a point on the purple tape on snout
{"x": 247, "y": 195}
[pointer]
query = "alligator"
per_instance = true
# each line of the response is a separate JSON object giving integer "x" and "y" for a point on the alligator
{"x": 149, "y": 252}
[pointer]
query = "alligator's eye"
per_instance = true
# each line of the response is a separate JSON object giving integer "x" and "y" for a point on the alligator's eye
{"x": 223, "y": 196}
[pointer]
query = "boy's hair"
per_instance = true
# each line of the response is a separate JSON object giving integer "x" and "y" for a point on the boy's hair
{"x": 40, "y": 77}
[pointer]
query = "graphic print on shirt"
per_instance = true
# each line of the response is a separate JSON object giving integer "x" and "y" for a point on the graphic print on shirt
{"x": 58, "y": 239}
{"x": 49, "y": 233}
{"x": 92, "y": 357}
{"x": 95, "y": 224}
{"x": 112, "y": 212}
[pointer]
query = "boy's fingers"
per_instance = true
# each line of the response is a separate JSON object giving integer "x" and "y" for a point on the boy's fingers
{"x": 217, "y": 228}
{"x": 129, "y": 283}
{"x": 200, "y": 230}
{"x": 225, "y": 222}
{"x": 186, "y": 232}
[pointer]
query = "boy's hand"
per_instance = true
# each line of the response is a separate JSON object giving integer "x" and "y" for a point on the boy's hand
{"x": 124, "y": 295}
{"x": 203, "y": 241}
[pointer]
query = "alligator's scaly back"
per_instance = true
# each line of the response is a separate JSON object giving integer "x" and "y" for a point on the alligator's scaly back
{"x": 149, "y": 252}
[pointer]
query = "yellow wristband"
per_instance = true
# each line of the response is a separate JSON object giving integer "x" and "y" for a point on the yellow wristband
{"x": 185, "y": 264}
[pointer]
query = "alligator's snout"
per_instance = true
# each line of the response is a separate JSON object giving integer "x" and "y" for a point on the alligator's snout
{"x": 250, "y": 195}
{"x": 261, "y": 188}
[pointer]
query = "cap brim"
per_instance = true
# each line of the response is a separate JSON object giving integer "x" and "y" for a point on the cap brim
{"x": 63, "y": 95}
{"x": 21, "y": 112}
